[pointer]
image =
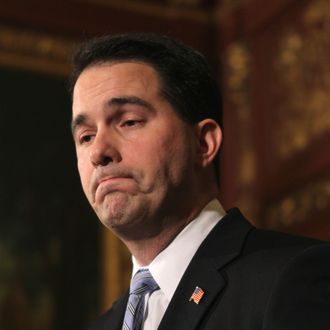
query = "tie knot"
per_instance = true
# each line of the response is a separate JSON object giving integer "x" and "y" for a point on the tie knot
{"x": 143, "y": 282}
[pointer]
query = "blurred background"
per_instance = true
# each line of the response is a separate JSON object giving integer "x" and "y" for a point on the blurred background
{"x": 58, "y": 267}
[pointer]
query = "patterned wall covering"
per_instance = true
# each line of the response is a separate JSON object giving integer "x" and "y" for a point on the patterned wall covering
{"x": 293, "y": 208}
{"x": 278, "y": 85}
{"x": 237, "y": 64}
{"x": 300, "y": 78}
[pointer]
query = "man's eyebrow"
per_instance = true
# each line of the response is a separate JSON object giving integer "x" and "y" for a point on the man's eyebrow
{"x": 122, "y": 100}
{"x": 77, "y": 121}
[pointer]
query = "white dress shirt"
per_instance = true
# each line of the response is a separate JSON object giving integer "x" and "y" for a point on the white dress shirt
{"x": 169, "y": 266}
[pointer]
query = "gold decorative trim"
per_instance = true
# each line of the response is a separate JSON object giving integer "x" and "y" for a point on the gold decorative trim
{"x": 35, "y": 51}
{"x": 237, "y": 76}
{"x": 296, "y": 207}
{"x": 303, "y": 70}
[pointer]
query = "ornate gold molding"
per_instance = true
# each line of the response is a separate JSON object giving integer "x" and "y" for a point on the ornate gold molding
{"x": 237, "y": 74}
{"x": 303, "y": 68}
{"x": 296, "y": 207}
{"x": 35, "y": 51}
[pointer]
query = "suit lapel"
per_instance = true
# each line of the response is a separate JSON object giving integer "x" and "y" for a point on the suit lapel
{"x": 222, "y": 245}
{"x": 184, "y": 314}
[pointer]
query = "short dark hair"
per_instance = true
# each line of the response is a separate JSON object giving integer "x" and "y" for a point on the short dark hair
{"x": 186, "y": 80}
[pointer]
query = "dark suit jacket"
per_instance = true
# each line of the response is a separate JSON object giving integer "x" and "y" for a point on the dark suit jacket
{"x": 253, "y": 280}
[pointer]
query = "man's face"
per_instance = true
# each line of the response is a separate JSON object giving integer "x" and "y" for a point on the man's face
{"x": 135, "y": 155}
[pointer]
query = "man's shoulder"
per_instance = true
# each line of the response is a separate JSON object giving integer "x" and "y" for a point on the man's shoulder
{"x": 258, "y": 238}
{"x": 269, "y": 240}
{"x": 276, "y": 249}
{"x": 261, "y": 246}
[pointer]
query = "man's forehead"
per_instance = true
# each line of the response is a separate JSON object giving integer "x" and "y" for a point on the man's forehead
{"x": 103, "y": 77}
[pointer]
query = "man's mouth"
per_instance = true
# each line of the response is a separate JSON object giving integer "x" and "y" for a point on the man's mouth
{"x": 108, "y": 185}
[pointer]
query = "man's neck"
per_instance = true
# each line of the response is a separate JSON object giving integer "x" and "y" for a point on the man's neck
{"x": 145, "y": 250}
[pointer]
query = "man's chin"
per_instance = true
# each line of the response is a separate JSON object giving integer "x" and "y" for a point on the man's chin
{"x": 119, "y": 212}
{"x": 113, "y": 207}
{"x": 123, "y": 227}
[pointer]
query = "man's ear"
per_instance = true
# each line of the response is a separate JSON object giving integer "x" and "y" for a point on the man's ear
{"x": 209, "y": 136}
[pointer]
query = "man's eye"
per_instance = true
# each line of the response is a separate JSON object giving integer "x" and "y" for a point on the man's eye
{"x": 86, "y": 138}
{"x": 131, "y": 122}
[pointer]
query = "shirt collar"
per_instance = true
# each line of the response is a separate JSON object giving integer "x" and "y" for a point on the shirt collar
{"x": 169, "y": 265}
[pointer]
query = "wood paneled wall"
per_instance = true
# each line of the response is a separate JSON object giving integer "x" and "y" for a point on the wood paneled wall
{"x": 276, "y": 82}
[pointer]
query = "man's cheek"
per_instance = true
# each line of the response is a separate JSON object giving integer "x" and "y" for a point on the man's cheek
{"x": 82, "y": 166}
{"x": 84, "y": 178}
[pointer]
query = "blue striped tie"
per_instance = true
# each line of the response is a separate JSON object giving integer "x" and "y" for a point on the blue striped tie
{"x": 141, "y": 284}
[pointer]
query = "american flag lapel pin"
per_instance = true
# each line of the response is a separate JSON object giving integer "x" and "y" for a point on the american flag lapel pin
{"x": 197, "y": 295}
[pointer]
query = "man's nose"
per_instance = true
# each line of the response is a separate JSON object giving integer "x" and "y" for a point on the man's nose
{"x": 103, "y": 152}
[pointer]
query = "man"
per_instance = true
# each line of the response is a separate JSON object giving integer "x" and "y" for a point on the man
{"x": 147, "y": 135}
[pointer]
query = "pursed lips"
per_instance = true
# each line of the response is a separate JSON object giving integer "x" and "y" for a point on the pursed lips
{"x": 109, "y": 181}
